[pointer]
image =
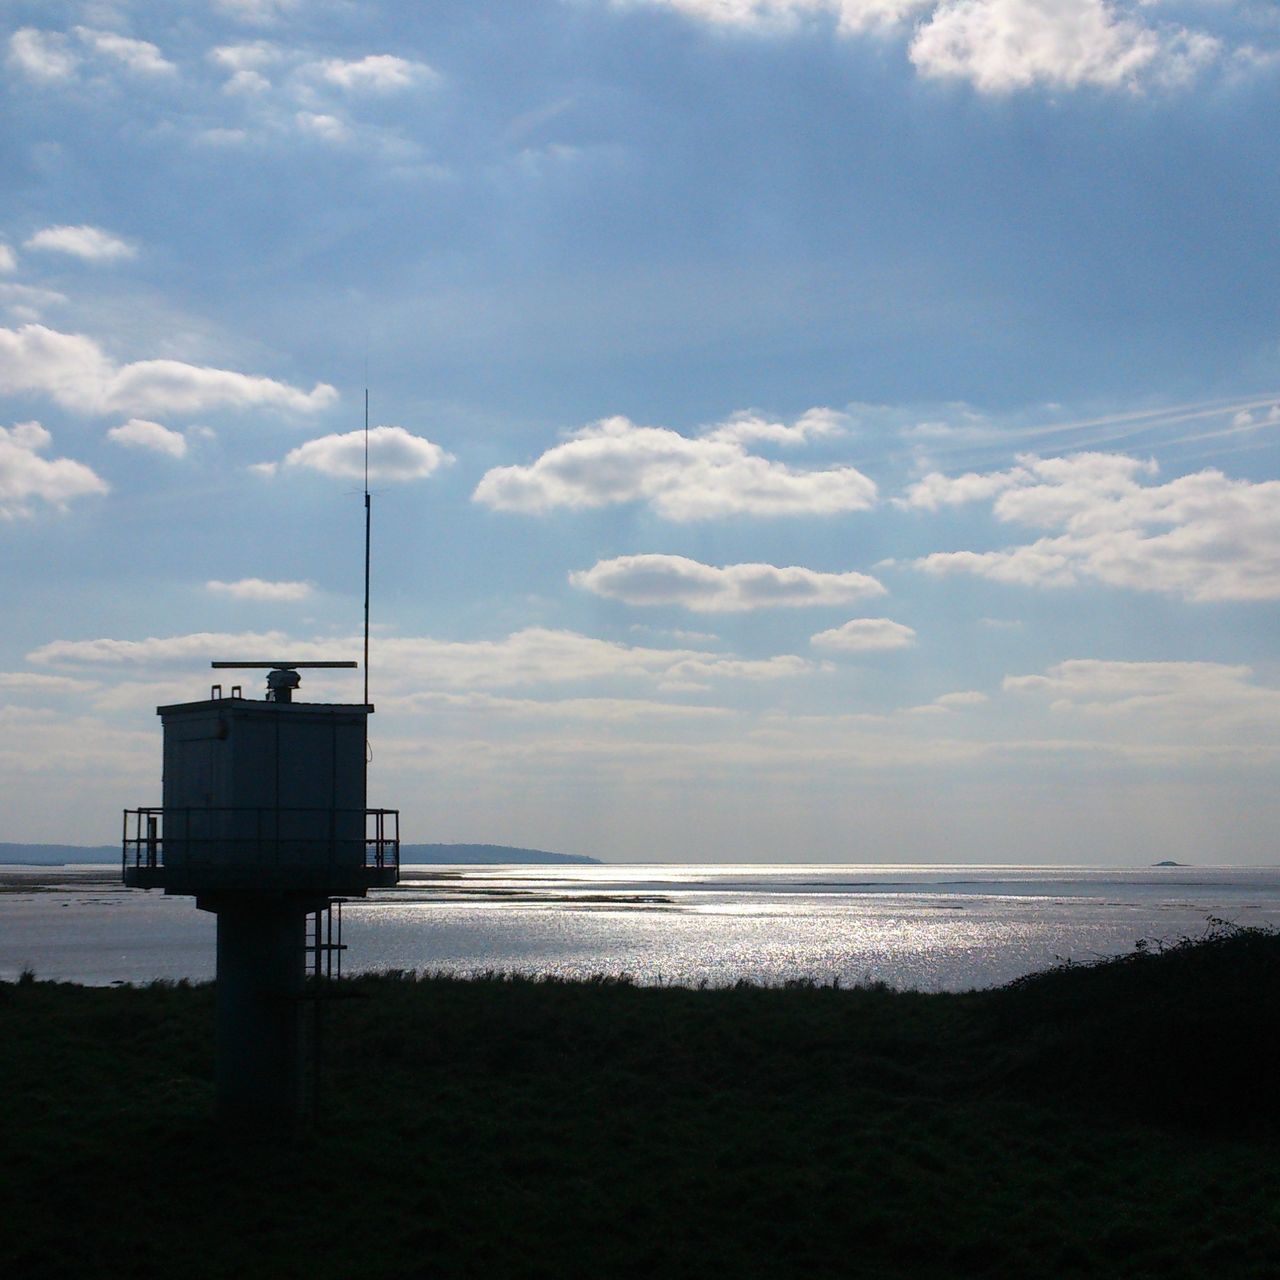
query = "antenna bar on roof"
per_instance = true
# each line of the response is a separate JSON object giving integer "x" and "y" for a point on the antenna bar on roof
{"x": 280, "y": 666}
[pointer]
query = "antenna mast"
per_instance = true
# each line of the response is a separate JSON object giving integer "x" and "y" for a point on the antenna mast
{"x": 367, "y": 519}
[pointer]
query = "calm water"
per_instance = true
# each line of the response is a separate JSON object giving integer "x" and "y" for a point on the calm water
{"x": 927, "y": 927}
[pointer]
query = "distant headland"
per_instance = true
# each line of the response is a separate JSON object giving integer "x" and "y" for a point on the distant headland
{"x": 485, "y": 853}
{"x": 55, "y": 855}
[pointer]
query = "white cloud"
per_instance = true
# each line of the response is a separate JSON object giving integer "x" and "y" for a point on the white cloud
{"x": 138, "y": 56}
{"x": 41, "y": 55}
{"x": 8, "y": 259}
{"x": 851, "y": 16}
{"x": 31, "y": 682}
{"x": 1005, "y": 45}
{"x": 594, "y": 710}
{"x": 378, "y": 73}
{"x": 937, "y": 490}
{"x": 246, "y": 82}
{"x": 90, "y": 243}
{"x": 1202, "y": 536}
{"x": 1166, "y": 701}
{"x": 73, "y": 370}
{"x": 1000, "y": 46}
{"x": 35, "y": 742}
{"x": 25, "y": 475}
{"x": 1254, "y": 418}
{"x": 865, "y": 635}
{"x": 394, "y": 454}
{"x": 734, "y": 588}
{"x": 258, "y": 589}
{"x": 533, "y": 656}
{"x": 746, "y": 428}
{"x": 138, "y": 433}
{"x": 538, "y": 655}
{"x": 615, "y": 461}
{"x": 1092, "y": 472}
{"x": 197, "y": 647}
{"x": 962, "y": 698}
{"x": 1091, "y": 682}
{"x": 25, "y": 303}
{"x": 246, "y": 62}
{"x": 250, "y": 55}
{"x": 323, "y": 125}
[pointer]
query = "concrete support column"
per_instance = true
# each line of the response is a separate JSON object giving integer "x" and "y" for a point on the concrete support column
{"x": 261, "y": 978}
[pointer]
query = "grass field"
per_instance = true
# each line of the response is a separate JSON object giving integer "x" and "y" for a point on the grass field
{"x": 1113, "y": 1120}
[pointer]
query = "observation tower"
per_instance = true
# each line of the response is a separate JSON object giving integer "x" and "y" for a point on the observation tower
{"x": 265, "y": 823}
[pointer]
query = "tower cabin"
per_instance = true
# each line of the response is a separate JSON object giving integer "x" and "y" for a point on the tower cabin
{"x": 264, "y": 821}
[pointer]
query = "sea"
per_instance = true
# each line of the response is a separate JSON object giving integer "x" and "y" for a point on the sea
{"x": 926, "y": 928}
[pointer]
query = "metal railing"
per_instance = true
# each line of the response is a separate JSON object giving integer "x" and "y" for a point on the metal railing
{"x": 261, "y": 836}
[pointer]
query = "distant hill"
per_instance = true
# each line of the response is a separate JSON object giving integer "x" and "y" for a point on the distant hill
{"x": 486, "y": 853}
{"x": 54, "y": 855}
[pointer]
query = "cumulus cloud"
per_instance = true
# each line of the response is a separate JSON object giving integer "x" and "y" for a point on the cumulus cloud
{"x": 49, "y": 56}
{"x": 1096, "y": 472}
{"x": 139, "y": 56}
{"x": 681, "y": 478}
{"x": 1202, "y": 536}
{"x": 26, "y": 303}
{"x": 43, "y": 56}
{"x": 865, "y": 635}
{"x": 258, "y": 589}
{"x": 8, "y": 259}
{"x": 1000, "y": 46}
{"x": 323, "y": 125}
{"x": 25, "y": 475}
{"x": 961, "y": 698}
{"x": 394, "y": 454}
{"x": 76, "y": 373}
{"x": 377, "y": 73}
{"x": 92, "y": 244}
{"x": 247, "y": 64}
{"x": 733, "y": 588}
{"x": 1003, "y": 45}
{"x": 748, "y": 428}
{"x": 139, "y": 433}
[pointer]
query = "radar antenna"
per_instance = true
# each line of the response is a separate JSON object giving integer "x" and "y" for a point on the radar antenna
{"x": 282, "y": 677}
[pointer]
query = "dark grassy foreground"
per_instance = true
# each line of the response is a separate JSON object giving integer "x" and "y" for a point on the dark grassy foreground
{"x": 1117, "y": 1120}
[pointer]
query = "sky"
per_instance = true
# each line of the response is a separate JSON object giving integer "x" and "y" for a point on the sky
{"x": 801, "y": 430}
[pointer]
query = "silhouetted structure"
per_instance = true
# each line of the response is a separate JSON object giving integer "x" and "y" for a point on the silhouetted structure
{"x": 264, "y": 821}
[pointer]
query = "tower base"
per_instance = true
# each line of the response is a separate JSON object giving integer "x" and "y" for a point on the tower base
{"x": 261, "y": 1066}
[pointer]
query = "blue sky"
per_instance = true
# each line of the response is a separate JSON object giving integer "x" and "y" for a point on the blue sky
{"x": 824, "y": 430}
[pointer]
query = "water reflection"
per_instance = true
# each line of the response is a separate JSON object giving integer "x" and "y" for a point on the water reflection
{"x": 931, "y": 928}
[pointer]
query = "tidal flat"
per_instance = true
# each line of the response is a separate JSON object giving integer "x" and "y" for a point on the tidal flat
{"x": 1113, "y": 1119}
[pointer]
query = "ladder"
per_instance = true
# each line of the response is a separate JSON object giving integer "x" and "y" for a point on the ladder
{"x": 323, "y": 961}
{"x": 324, "y": 943}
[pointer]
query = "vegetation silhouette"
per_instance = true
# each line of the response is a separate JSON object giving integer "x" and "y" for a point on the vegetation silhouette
{"x": 1110, "y": 1119}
